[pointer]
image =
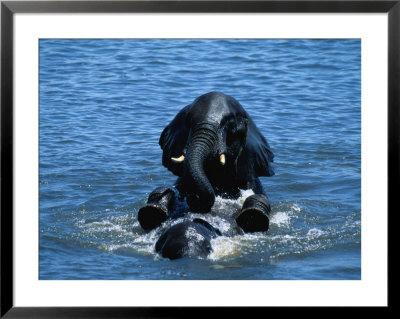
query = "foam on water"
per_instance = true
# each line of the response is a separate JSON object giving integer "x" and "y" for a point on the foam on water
{"x": 228, "y": 247}
{"x": 292, "y": 232}
{"x": 281, "y": 219}
{"x": 315, "y": 233}
{"x": 123, "y": 232}
{"x": 225, "y": 247}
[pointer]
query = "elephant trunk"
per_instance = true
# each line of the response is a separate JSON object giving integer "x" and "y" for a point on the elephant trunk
{"x": 201, "y": 196}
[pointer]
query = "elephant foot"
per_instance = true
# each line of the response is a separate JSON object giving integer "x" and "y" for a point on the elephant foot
{"x": 156, "y": 211}
{"x": 254, "y": 214}
{"x": 151, "y": 216}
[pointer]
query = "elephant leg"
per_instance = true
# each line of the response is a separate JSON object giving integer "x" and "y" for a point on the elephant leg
{"x": 160, "y": 201}
{"x": 254, "y": 215}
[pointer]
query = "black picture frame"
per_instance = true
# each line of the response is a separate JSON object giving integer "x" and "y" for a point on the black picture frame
{"x": 9, "y": 8}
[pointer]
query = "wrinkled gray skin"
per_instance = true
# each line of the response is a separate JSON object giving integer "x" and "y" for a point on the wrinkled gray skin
{"x": 215, "y": 124}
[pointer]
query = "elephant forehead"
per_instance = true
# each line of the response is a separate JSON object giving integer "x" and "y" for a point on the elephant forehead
{"x": 217, "y": 113}
{"x": 214, "y": 112}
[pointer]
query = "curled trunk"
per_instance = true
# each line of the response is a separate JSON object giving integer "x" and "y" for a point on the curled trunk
{"x": 201, "y": 196}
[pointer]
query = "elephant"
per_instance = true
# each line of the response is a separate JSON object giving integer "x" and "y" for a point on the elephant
{"x": 188, "y": 238}
{"x": 215, "y": 149}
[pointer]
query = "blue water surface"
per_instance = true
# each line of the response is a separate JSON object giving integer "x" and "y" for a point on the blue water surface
{"x": 103, "y": 105}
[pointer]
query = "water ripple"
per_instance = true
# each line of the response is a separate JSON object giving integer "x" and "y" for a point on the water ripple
{"x": 103, "y": 105}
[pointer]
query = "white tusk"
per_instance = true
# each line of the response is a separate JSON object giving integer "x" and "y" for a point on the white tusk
{"x": 222, "y": 159}
{"x": 179, "y": 159}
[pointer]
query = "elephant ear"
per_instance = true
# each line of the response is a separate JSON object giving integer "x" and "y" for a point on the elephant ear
{"x": 173, "y": 141}
{"x": 256, "y": 157}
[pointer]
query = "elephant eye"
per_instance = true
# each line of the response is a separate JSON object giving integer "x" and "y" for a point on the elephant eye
{"x": 235, "y": 136}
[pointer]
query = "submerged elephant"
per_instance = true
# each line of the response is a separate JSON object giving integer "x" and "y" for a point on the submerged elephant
{"x": 188, "y": 238}
{"x": 214, "y": 148}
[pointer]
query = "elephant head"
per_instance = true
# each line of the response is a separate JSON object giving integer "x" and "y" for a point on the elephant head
{"x": 212, "y": 145}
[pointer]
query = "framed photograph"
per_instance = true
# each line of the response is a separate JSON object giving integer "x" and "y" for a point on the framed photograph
{"x": 164, "y": 155}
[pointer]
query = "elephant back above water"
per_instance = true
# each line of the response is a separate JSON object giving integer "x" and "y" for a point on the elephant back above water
{"x": 215, "y": 148}
{"x": 189, "y": 238}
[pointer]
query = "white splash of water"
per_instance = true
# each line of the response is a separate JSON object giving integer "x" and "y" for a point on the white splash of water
{"x": 192, "y": 234}
{"x": 315, "y": 233}
{"x": 221, "y": 204}
{"x": 225, "y": 247}
{"x": 124, "y": 233}
{"x": 295, "y": 208}
{"x": 281, "y": 219}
